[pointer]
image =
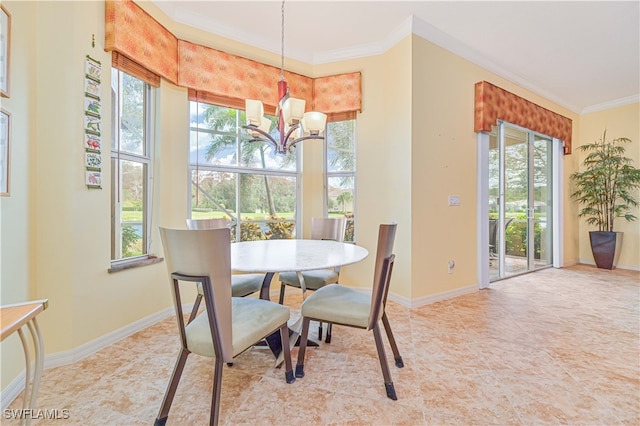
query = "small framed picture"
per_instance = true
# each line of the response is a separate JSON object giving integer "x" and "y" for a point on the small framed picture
{"x": 5, "y": 141}
{"x": 5, "y": 50}
{"x": 93, "y": 69}
{"x": 92, "y": 107}
{"x": 93, "y": 161}
{"x": 92, "y": 142}
{"x": 93, "y": 179}
{"x": 92, "y": 88}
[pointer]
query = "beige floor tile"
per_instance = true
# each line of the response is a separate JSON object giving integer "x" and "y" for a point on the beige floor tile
{"x": 559, "y": 346}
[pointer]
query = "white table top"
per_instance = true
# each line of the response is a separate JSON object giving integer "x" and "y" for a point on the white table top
{"x": 293, "y": 255}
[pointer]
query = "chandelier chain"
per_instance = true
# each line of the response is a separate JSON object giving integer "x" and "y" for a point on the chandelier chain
{"x": 282, "y": 45}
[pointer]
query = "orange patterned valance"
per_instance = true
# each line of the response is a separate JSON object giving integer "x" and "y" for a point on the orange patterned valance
{"x": 336, "y": 94}
{"x": 130, "y": 31}
{"x": 493, "y": 103}
{"x": 213, "y": 74}
{"x": 223, "y": 74}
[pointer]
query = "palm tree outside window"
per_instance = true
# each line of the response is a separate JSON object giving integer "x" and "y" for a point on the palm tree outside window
{"x": 246, "y": 182}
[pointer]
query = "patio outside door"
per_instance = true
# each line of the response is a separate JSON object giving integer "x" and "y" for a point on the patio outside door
{"x": 520, "y": 201}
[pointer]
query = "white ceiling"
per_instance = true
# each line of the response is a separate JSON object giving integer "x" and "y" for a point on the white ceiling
{"x": 583, "y": 55}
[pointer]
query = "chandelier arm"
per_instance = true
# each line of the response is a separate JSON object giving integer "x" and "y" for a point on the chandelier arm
{"x": 252, "y": 128}
{"x": 304, "y": 138}
{"x": 291, "y": 130}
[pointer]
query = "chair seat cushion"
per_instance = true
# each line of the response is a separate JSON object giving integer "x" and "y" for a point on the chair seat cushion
{"x": 245, "y": 284}
{"x": 313, "y": 280}
{"x": 252, "y": 320}
{"x": 242, "y": 284}
{"x": 338, "y": 304}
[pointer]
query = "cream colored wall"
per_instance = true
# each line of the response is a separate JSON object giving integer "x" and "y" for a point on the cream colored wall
{"x": 383, "y": 163}
{"x": 58, "y": 229}
{"x": 444, "y": 163}
{"x": 16, "y": 214}
{"x": 619, "y": 122}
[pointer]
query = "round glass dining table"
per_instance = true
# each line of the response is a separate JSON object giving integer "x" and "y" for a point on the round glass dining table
{"x": 294, "y": 255}
{"x": 271, "y": 256}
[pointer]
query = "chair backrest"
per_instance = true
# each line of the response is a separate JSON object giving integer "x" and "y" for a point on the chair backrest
{"x": 215, "y": 223}
{"x": 328, "y": 228}
{"x": 493, "y": 232}
{"x": 493, "y": 229}
{"x": 382, "y": 272}
{"x": 203, "y": 256}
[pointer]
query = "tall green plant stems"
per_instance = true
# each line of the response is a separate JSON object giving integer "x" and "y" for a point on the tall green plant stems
{"x": 607, "y": 184}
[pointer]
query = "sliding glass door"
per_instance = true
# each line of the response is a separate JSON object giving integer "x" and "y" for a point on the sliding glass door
{"x": 520, "y": 201}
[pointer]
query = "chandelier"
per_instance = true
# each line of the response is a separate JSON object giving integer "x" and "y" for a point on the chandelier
{"x": 293, "y": 124}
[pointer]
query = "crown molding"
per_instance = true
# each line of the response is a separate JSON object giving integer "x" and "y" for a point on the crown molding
{"x": 364, "y": 50}
{"x": 453, "y": 45}
{"x": 411, "y": 25}
{"x": 612, "y": 104}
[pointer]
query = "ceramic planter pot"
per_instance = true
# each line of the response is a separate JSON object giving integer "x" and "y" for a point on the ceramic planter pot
{"x": 605, "y": 247}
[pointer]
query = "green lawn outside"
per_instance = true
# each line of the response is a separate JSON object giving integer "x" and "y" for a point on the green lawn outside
{"x": 136, "y": 216}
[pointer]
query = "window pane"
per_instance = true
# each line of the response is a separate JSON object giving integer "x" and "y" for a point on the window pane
{"x": 130, "y": 236}
{"x": 213, "y": 194}
{"x": 341, "y": 172}
{"x": 131, "y": 108}
{"x": 214, "y": 129}
{"x": 341, "y": 153}
{"x": 130, "y": 164}
{"x": 266, "y": 205}
{"x": 341, "y": 192}
{"x": 267, "y": 202}
{"x": 263, "y": 156}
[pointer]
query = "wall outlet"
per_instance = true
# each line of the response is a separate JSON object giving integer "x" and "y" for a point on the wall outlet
{"x": 454, "y": 200}
{"x": 452, "y": 264}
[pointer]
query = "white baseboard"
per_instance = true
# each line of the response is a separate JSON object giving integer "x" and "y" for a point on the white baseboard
{"x": 427, "y": 300}
{"x": 74, "y": 355}
{"x": 89, "y": 348}
{"x": 432, "y": 298}
{"x": 13, "y": 390}
{"x": 618, "y": 266}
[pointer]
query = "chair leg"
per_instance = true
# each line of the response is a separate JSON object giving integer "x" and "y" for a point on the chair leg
{"x": 215, "y": 394}
{"x": 303, "y": 347}
{"x": 327, "y": 338}
{"x": 386, "y": 374}
{"x": 281, "y": 299}
{"x": 320, "y": 331}
{"x": 194, "y": 311}
{"x": 171, "y": 388}
{"x": 392, "y": 341}
{"x": 286, "y": 347}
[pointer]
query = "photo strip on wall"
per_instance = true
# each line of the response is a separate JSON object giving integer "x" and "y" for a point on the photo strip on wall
{"x": 92, "y": 123}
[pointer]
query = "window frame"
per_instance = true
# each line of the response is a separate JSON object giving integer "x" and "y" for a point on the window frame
{"x": 239, "y": 169}
{"x": 338, "y": 174}
{"x": 146, "y": 160}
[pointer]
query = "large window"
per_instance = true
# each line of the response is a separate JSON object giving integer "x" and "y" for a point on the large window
{"x": 130, "y": 167}
{"x": 246, "y": 182}
{"x": 341, "y": 172}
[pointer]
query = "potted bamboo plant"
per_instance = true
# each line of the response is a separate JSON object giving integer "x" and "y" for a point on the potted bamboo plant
{"x": 605, "y": 187}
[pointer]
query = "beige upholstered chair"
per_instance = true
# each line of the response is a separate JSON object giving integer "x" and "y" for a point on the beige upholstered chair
{"x": 321, "y": 229}
{"x": 229, "y": 325}
{"x": 241, "y": 284}
{"x": 343, "y": 305}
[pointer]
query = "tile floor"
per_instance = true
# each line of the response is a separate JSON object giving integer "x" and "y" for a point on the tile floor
{"x": 559, "y": 346}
